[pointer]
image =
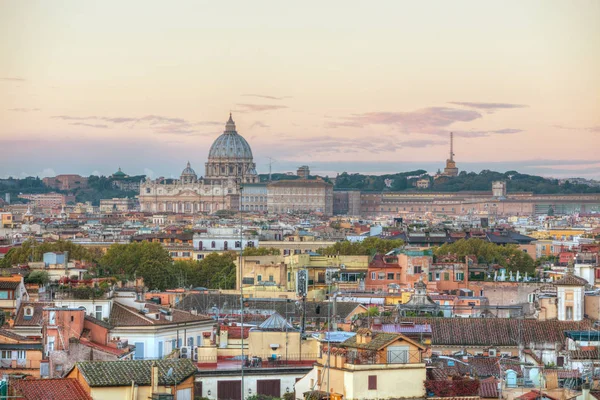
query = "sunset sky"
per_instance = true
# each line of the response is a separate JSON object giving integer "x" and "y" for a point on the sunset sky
{"x": 357, "y": 86}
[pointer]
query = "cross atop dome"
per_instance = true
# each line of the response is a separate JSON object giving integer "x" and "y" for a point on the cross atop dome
{"x": 230, "y": 125}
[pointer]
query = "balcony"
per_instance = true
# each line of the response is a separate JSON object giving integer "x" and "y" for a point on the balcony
{"x": 19, "y": 364}
{"x": 256, "y": 361}
{"x": 389, "y": 358}
{"x": 80, "y": 293}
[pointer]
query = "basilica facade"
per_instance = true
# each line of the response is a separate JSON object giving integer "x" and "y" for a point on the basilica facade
{"x": 229, "y": 164}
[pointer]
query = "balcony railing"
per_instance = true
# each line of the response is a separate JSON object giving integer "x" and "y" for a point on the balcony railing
{"x": 17, "y": 364}
{"x": 260, "y": 360}
{"x": 388, "y": 357}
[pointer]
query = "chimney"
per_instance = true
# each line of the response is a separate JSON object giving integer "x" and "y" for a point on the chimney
{"x": 154, "y": 378}
{"x": 585, "y": 391}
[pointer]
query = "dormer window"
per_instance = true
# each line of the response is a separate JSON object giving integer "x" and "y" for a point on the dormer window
{"x": 28, "y": 313}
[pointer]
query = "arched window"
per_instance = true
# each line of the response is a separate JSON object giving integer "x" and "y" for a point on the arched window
{"x": 225, "y": 245}
{"x": 213, "y": 244}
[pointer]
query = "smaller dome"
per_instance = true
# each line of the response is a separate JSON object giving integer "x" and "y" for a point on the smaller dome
{"x": 188, "y": 170}
{"x": 119, "y": 173}
{"x": 188, "y": 175}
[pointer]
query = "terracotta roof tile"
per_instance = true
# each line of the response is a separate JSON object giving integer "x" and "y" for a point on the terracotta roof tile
{"x": 36, "y": 319}
{"x": 488, "y": 388}
{"x": 122, "y": 373}
{"x": 11, "y": 335}
{"x": 535, "y": 394}
{"x": 571, "y": 280}
{"x": 378, "y": 340}
{"x": 122, "y": 315}
{"x": 50, "y": 389}
{"x": 9, "y": 285}
{"x": 496, "y": 331}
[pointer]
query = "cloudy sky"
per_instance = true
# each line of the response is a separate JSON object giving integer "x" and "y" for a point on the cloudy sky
{"x": 87, "y": 86}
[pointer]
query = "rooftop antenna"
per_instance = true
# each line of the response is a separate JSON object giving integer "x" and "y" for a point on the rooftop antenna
{"x": 271, "y": 161}
{"x": 451, "y": 146}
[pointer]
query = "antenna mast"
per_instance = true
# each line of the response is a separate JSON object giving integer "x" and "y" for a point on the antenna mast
{"x": 451, "y": 146}
{"x": 270, "y": 166}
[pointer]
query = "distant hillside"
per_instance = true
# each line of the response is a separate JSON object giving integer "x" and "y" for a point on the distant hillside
{"x": 99, "y": 187}
{"x": 471, "y": 181}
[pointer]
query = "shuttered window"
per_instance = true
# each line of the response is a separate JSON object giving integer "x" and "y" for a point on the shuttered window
{"x": 372, "y": 382}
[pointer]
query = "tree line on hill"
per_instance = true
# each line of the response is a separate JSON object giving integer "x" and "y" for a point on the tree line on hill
{"x": 99, "y": 187}
{"x": 465, "y": 181}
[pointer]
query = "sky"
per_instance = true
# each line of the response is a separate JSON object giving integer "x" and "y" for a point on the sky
{"x": 90, "y": 86}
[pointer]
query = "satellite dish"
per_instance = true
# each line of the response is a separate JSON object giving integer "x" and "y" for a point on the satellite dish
{"x": 170, "y": 372}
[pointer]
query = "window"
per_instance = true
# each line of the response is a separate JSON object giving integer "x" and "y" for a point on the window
{"x": 398, "y": 276}
{"x": 237, "y": 244}
{"x": 373, "y": 276}
{"x": 213, "y": 244}
{"x": 569, "y": 312}
{"x": 417, "y": 269}
{"x": 381, "y": 276}
{"x": 460, "y": 276}
{"x": 225, "y": 245}
{"x": 437, "y": 276}
{"x": 50, "y": 343}
{"x": 199, "y": 256}
{"x": 190, "y": 341}
{"x": 72, "y": 318}
{"x": 271, "y": 278}
{"x": 6, "y": 354}
{"x": 99, "y": 312}
{"x": 372, "y": 382}
{"x": 259, "y": 278}
{"x": 390, "y": 276}
{"x": 446, "y": 276}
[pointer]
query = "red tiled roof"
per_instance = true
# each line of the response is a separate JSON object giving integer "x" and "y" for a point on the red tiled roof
{"x": 569, "y": 373}
{"x": 534, "y": 356}
{"x": 11, "y": 335}
{"x": 122, "y": 315}
{"x": 106, "y": 349}
{"x": 584, "y": 354}
{"x": 496, "y": 331}
{"x": 535, "y": 394}
{"x": 235, "y": 332}
{"x": 10, "y": 285}
{"x": 571, "y": 280}
{"x": 36, "y": 319}
{"x": 488, "y": 388}
{"x": 50, "y": 389}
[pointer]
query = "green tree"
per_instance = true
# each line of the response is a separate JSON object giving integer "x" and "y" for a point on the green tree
{"x": 39, "y": 277}
{"x": 31, "y": 251}
{"x": 156, "y": 274}
{"x": 509, "y": 256}
{"x": 261, "y": 251}
{"x": 367, "y": 247}
{"x": 126, "y": 259}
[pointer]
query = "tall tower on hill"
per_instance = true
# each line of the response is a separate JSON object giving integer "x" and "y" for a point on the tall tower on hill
{"x": 451, "y": 169}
